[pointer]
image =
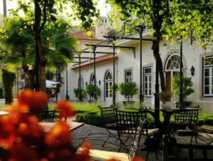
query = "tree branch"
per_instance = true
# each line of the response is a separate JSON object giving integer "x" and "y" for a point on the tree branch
{"x": 44, "y": 14}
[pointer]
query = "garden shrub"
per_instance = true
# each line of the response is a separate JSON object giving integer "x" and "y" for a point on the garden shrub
{"x": 128, "y": 89}
{"x": 81, "y": 94}
{"x": 187, "y": 86}
{"x": 93, "y": 91}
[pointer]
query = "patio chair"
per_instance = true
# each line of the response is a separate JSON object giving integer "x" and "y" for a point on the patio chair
{"x": 132, "y": 128}
{"x": 108, "y": 121}
{"x": 48, "y": 115}
{"x": 186, "y": 122}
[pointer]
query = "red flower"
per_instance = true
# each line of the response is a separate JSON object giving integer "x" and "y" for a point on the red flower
{"x": 65, "y": 108}
{"x": 18, "y": 107}
{"x": 58, "y": 135}
{"x": 36, "y": 100}
{"x": 26, "y": 96}
{"x": 85, "y": 148}
{"x": 40, "y": 99}
{"x": 23, "y": 129}
{"x": 137, "y": 159}
{"x": 21, "y": 152}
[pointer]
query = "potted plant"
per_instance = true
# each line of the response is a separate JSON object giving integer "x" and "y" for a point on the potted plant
{"x": 93, "y": 91}
{"x": 187, "y": 89}
{"x": 80, "y": 93}
{"x": 128, "y": 89}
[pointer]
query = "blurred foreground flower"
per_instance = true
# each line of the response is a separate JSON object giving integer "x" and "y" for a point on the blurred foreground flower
{"x": 65, "y": 109}
{"x": 22, "y": 138}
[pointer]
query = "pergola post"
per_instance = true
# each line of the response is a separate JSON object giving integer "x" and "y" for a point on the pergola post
{"x": 113, "y": 79}
{"x": 181, "y": 75}
{"x": 67, "y": 95}
{"x": 94, "y": 67}
{"x": 79, "y": 72}
{"x": 140, "y": 29}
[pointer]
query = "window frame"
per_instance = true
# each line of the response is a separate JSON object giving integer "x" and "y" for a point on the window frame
{"x": 107, "y": 85}
{"x": 210, "y": 84}
{"x": 125, "y": 75}
{"x": 148, "y": 94}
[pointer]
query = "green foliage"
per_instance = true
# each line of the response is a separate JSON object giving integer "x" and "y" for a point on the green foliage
{"x": 59, "y": 45}
{"x": 128, "y": 89}
{"x": 116, "y": 87}
{"x": 187, "y": 86}
{"x": 93, "y": 91}
{"x": 8, "y": 82}
{"x": 80, "y": 93}
{"x": 176, "y": 19}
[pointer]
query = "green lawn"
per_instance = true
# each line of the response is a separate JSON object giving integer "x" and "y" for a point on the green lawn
{"x": 91, "y": 111}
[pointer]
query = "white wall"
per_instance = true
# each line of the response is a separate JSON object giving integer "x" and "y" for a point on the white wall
{"x": 192, "y": 56}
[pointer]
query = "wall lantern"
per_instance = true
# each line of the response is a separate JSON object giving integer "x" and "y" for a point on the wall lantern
{"x": 192, "y": 70}
{"x": 99, "y": 82}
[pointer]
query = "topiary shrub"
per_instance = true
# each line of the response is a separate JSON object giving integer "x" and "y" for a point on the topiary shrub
{"x": 81, "y": 94}
{"x": 128, "y": 89}
{"x": 187, "y": 88}
{"x": 93, "y": 91}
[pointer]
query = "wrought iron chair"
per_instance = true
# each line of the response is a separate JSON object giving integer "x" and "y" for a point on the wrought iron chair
{"x": 108, "y": 121}
{"x": 48, "y": 115}
{"x": 132, "y": 127}
{"x": 186, "y": 122}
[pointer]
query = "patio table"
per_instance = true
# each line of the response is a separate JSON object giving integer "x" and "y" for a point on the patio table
{"x": 72, "y": 124}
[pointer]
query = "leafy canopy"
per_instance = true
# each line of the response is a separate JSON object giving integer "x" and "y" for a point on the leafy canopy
{"x": 177, "y": 18}
{"x": 18, "y": 42}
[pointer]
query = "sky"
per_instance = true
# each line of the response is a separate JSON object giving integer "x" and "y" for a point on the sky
{"x": 103, "y": 7}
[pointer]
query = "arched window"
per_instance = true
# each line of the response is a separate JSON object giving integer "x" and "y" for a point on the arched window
{"x": 173, "y": 63}
{"x": 172, "y": 70}
{"x": 108, "y": 85}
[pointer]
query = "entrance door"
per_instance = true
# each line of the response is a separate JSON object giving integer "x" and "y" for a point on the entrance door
{"x": 172, "y": 70}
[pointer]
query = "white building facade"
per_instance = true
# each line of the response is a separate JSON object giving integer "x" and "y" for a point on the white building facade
{"x": 127, "y": 68}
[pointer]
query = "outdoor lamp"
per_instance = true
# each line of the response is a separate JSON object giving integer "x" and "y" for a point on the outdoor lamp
{"x": 99, "y": 82}
{"x": 140, "y": 27}
{"x": 192, "y": 70}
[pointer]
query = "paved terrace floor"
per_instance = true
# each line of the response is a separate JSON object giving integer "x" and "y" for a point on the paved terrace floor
{"x": 96, "y": 136}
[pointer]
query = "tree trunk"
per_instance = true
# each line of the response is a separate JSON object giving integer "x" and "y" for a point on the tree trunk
{"x": 8, "y": 82}
{"x": 40, "y": 59}
{"x": 157, "y": 24}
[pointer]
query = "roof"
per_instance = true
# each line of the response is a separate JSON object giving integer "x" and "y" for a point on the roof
{"x": 82, "y": 35}
{"x": 100, "y": 59}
